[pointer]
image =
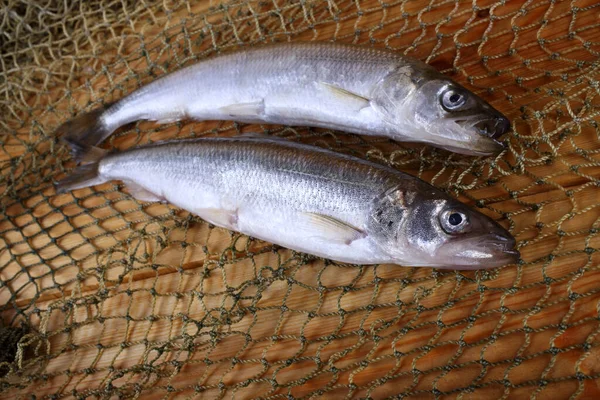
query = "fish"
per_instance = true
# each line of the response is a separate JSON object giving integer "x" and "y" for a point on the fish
{"x": 356, "y": 89}
{"x": 306, "y": 198}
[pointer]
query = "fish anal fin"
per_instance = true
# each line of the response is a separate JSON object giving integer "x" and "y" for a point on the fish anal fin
{"x": 171, "y": 116}
{"x": 331, "y": 228}
{"x": 249, "y": 109}
{"x": 141, "y": 193}
{"x": 346, "y": 94}
{"x": 220, "y": 217}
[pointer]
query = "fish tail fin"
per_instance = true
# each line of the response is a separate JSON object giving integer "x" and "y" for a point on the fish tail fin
{"x": 84, "y": 175}
{"x": 84, "y": 153}
{"x": 88, "y": 128}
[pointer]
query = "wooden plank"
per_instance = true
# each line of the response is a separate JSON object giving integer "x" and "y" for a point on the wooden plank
{"x": 134, "y": 299}
{"x": 38, "y": 241}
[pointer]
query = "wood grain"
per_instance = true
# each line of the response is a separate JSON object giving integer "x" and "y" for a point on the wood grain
{"x": 176, "y": 290}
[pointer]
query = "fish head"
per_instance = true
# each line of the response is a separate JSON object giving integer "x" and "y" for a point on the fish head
{"x": 442, "y": 112}
{"x": 431, "y": 229}
{"x": 458, "y": 118}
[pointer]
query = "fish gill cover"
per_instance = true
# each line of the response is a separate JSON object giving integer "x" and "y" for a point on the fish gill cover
{"x": 115, "y": 297}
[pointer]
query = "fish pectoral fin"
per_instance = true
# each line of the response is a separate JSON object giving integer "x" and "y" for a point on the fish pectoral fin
{"x": 218, "y": 216}
{"x": 346, "y": 94}
{"x": 141, "y": 193}
{"x": 332, "y": 229}
{"x": 250, "y": 109}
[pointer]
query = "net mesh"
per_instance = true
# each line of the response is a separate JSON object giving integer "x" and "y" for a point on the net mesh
{"x": 102, "y": 296}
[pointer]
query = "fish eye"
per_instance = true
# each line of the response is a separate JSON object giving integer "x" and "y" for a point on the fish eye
{"x": 452, "y": 100}
{"x": 454, "y": 222}
{"x": 455, "y": 219}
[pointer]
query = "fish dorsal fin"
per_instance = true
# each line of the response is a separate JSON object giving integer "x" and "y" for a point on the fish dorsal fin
{"x": 253, "y": 135}
{"x": 261, "y": 136}
{"x": 331, "y": 229}
{"x": 345, "y": 94}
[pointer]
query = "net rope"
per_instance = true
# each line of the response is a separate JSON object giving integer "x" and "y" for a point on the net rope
{"x": 102, "y": 296}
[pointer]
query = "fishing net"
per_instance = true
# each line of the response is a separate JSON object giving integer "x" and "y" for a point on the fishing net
{"x": 102, "y": 296}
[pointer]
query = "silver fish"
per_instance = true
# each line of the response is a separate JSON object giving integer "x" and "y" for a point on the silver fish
{"x": 307, "y": 199}
{"x": 350, "y": 88}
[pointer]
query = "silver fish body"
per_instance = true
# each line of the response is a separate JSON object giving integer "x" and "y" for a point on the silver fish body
{"x": 308, "y": 199}
{"x": 350, "y": 88}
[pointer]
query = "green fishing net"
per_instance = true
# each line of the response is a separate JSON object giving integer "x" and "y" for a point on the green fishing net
{"x": 103, "y": 296}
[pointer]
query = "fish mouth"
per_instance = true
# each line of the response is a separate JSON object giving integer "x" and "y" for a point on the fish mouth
{"x": 505, "y": 250}
{"x": 487, "y": 130}
{"x": 481, "y": 146}
{"x": 488, "y": 251}
{"x": 493, "y": 127}
{"x": 499, "y": 246}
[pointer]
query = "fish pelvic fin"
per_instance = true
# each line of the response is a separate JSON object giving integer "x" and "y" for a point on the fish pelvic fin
{"x": 88, "y": 128}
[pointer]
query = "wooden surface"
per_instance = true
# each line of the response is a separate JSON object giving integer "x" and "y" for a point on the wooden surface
{"x": 418, "y": 328}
